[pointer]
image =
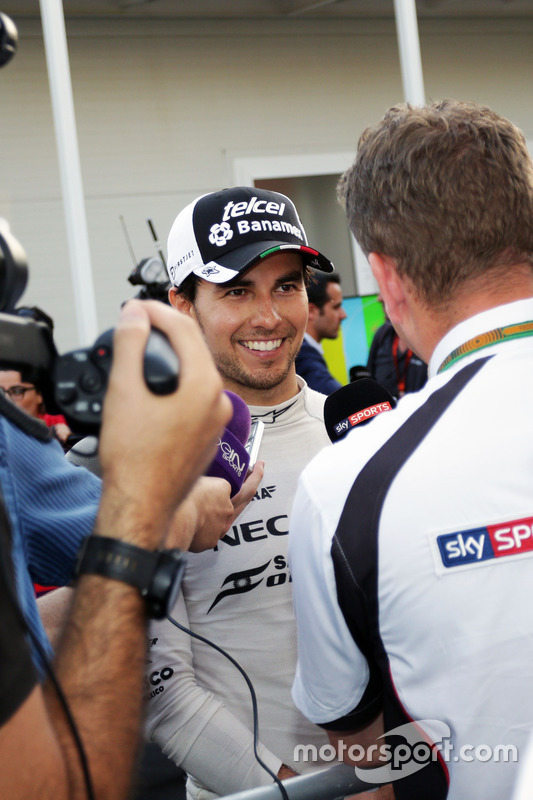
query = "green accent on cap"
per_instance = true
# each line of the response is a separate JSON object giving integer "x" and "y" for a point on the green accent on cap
{"x": 268, "y": 252}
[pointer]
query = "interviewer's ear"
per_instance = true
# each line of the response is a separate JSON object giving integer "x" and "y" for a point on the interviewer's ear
{"x": 179, "y": 301}
{"x": 391, "y": 287}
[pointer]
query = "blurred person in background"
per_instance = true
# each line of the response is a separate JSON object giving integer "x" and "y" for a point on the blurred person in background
{"x": 393, "y": 364}
{"x": 28, "y": 397}
{"x": 325, "y": 316}
{"x": 22, "y": 390}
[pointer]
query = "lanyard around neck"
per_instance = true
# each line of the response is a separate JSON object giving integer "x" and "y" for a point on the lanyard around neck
{"x": 400, "y": 377}
{"x": 518, "y": 331}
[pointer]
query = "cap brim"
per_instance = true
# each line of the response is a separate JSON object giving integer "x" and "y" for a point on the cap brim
{"x": 236, "y": 261}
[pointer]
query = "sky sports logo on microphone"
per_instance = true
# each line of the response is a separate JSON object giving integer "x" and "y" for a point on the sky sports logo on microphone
{"x": 361, "y": 416}
{"x": 478, "y": 545}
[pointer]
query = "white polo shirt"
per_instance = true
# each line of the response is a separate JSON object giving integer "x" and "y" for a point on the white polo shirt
{"x": 411, "y": 551}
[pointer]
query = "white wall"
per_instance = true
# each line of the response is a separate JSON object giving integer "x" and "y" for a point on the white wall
{"x": 164, "y": 107}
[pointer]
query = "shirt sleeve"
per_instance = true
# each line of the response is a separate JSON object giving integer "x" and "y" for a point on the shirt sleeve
{"x": 328, "y": 686}
{"x": 17, "y": 676}
{"x": 311, "y": 366}
{"x": 55, "y": 504}
{"x": 191, "y": 725}
{"x": 323, "y": 381}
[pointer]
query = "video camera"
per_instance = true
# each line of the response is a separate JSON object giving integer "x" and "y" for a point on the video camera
{"x": 151, "y": 275}
{"x": 72, "y": 384}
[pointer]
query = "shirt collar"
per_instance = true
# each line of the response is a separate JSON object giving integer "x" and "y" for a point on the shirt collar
{"x": 282, "y": 412}
{"x": 313, "y": 342}
{"x": 519, "y": 311}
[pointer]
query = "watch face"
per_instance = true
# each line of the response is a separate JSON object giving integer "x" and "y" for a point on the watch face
{"x": 166, "y": 583}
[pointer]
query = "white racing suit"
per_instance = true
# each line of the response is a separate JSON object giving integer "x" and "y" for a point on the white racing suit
{"x": 239, "y": 595}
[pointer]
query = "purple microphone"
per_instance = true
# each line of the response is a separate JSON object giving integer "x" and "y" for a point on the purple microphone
{"x": 232, "y": 460}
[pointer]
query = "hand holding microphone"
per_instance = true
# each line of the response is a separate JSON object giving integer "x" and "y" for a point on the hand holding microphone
{"x": 227, "y": 487}
{"x": 208, "y": 512}
{"x": 232, "y": 458}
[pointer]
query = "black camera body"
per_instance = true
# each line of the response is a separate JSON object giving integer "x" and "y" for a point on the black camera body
{"x": 73, "y": 384}
{"x": 80, "y": 377}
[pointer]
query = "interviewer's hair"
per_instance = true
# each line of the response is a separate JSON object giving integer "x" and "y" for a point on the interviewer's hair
{"x": 446, "y": 190}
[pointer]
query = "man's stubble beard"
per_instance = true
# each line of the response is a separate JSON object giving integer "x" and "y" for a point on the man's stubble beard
{"x": 232, "y": 370}
{"x": 267, "y": 379}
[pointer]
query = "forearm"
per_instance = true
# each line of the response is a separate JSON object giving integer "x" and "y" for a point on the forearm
{"x": 192, "y": 726}
{"x": 100, "y": 665}
{"x": 220, "y": 756}
{"x": 100, "y": 670}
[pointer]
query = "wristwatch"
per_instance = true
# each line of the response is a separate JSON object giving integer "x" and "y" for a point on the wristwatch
{"x": 157, "y": 574}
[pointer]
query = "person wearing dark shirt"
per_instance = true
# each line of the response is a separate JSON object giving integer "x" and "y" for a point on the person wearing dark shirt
{"x": 325, "y": 316}
{"x": 393, "y": 364}
{"x": 17, "y": 675}
{"x": 27, "y": 396}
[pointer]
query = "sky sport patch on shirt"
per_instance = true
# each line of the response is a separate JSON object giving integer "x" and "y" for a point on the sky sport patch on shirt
{"x": 478, "y": 545}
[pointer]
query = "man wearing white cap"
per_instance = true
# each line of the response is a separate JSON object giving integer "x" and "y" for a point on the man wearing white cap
{"x": 238, "y": 261}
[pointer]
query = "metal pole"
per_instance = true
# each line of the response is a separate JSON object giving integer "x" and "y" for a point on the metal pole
{"x": 329, "y": 784}
{"x": 409, "y": 46}
{"x": 55, "y": 42}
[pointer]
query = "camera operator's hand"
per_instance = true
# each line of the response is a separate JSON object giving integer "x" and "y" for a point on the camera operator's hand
{"x": 152, "y": 448}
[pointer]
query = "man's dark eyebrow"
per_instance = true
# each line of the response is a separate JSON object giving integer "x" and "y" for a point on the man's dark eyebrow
{"x": 294, "y": 275}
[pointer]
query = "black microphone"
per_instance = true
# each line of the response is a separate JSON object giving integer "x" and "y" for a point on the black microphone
{"x": 357, "y": 372}
{"x": 355, "y": 404}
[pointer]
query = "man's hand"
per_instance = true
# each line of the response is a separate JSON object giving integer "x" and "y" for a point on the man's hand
{"x": 248, "y": 489}
{"x": 383, "y": 793}
{"x": 152, "y": 448}
{"x": 208, "y": 511}
{"x": 204, "y": 515}
{"x": 61, "y": 431}
{"x": 285, "y": 772}
{"x": 369, "y": 738}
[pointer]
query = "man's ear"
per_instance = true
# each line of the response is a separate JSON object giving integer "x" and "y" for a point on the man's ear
{"x": 391, "y": 287}
{"x": 314, "y": 312}
{"x": 180, "y": 302}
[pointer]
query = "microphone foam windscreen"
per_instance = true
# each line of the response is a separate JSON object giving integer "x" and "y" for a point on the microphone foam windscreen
{"x": 241, "y": 422}
{"x": 355, "y": 404}
{"x": 231, "y": 461}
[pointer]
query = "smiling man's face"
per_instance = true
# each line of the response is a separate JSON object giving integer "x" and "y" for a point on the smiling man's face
{"x": 254, "y": 327}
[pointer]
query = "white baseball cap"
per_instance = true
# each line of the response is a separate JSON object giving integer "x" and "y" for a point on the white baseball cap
{"x": 223, "y": 233}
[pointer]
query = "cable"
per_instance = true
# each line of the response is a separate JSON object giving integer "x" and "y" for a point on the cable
{"x": 253, "y": 696}
{"x": 11, "y": 591}
{"x": 68, "y": 714}
{"x": 66, "y": 708}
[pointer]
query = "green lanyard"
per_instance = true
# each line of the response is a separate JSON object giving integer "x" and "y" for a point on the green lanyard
{"x": 518, "y": 331}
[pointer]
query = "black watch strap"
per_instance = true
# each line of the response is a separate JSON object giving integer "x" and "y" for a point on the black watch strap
{"x": 155, "y": 573}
